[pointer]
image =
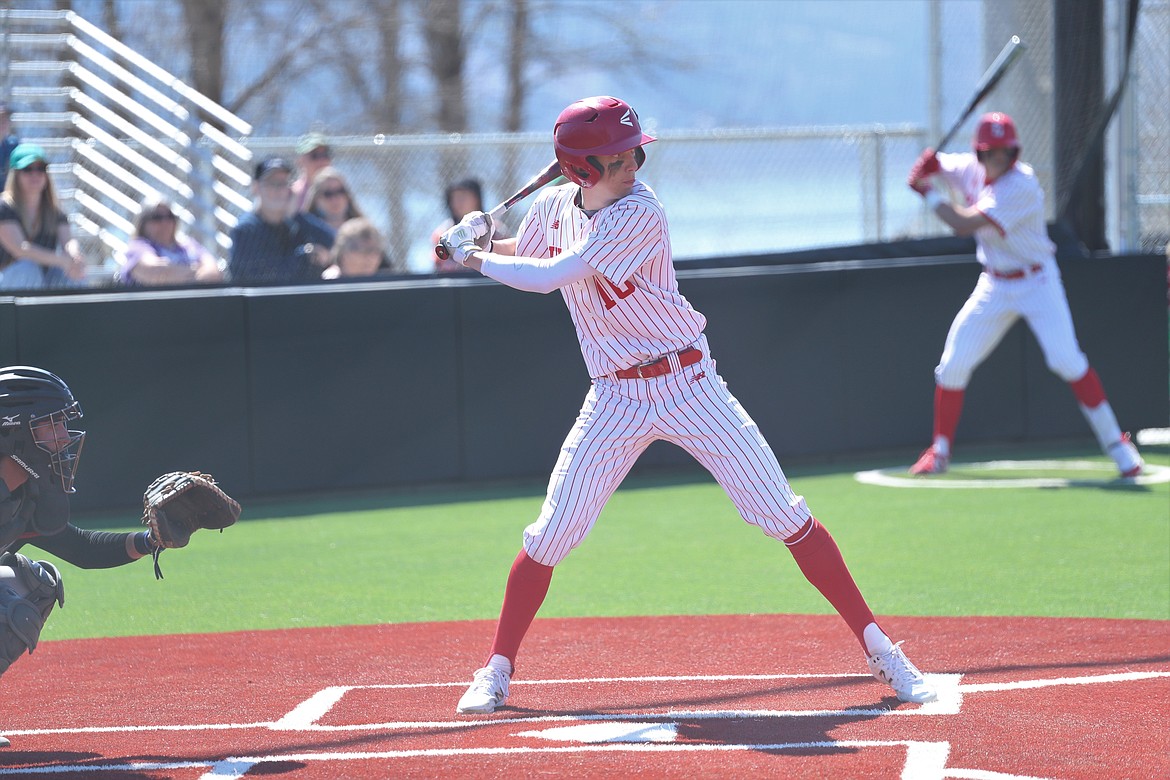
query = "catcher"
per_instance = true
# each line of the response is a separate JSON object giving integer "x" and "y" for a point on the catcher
{"x": 38, "y": 460}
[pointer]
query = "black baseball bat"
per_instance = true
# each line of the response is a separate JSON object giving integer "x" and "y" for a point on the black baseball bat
{"x": 995, "y": 72}
{"x": 550, "y": 172}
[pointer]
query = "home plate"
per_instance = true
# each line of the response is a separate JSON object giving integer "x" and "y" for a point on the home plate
{"x": 609, "y": 732}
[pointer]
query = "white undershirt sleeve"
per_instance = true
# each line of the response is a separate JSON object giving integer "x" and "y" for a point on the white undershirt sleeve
{"x": 535, "y": 275}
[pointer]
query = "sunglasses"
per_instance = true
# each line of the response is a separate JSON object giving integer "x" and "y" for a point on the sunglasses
{"x": 161, "y": 217}
{"x": 332, "y": 193}
{"x": 320, "y": 154}
{"x": 35, "y": 168}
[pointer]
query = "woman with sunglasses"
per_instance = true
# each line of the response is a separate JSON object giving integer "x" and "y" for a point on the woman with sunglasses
{"x": 37, "y": 249}
{"x": 161, "y": 254}
{"x": 313, "y": 155}
{"x": 331, "y": 200}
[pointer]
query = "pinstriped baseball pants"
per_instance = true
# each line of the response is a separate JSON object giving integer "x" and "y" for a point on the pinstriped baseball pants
{"x": 993, "y": 307}
{"x": 621, "y": 417}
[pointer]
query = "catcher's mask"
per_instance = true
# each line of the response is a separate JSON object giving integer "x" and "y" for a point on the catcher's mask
{"x": 593, "y": 127}
{"x": 36, "y": 409}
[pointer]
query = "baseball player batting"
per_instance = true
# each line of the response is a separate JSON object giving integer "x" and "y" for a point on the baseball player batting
{"x": 1003, "y": 208}
{"x": 603, "y": 241}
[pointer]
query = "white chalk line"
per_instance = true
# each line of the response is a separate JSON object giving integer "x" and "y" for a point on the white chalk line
{"x": 923, "y": 758}
{"x": 900, "y": 478}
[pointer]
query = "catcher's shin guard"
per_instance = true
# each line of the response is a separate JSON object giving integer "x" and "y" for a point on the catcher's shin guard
{"x": 28, "y": 591}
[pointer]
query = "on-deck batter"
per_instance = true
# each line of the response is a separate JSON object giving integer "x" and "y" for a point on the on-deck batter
{"x": 1003, "y": 207}
{"x": 603, "y": 241}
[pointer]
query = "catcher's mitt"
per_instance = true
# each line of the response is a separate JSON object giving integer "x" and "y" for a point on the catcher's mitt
{"x": 178, "y": 504}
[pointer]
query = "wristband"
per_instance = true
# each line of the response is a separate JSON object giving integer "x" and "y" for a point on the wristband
{"x": 932, "y": 198}
{"x": 142, "y": 543}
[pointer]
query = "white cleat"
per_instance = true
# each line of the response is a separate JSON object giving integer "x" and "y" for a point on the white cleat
{"x": 1125, "y": 455}
{"x": 895, "y": 670}
{"x": 489, "y": 688}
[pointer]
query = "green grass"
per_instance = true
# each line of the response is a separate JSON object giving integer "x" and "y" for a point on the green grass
{"x": 662, "y": 546}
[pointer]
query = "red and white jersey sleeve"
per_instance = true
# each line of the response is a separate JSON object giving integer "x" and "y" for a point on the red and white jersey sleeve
{"x": 1016, "y": 236}
{"x": 630, "y": 311}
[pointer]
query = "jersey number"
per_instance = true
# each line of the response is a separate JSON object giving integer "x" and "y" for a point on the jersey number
{"x": 601, "y": 283}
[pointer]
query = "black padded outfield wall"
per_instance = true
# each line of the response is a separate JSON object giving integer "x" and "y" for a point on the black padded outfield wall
{"x": 403, "y": 382}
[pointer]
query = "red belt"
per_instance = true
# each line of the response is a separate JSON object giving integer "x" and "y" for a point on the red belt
{"x": 661, "y": 366}
{"x": 1032, "y": 269}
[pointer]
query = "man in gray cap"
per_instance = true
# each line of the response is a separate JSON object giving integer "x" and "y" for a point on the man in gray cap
{"x": 269, "y": 245}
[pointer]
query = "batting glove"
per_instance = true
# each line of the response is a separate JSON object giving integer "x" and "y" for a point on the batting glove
{"x": 460, "y": 242}
{"x": 481, "y": 225}
{"x": 925, "y": 166}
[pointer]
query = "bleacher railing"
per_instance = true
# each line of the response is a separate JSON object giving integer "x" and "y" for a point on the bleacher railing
{"x": 120, "y": 129}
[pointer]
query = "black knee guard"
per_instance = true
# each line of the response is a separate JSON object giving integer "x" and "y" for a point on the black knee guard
{"x": 22, "y": 616}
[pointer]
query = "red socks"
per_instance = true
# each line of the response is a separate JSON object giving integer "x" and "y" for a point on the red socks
{"x": 1088, "y": 390}
{"x": 948, "y": 405}
{"x": 527, "y": 586}
{"x": 818, "y": 556}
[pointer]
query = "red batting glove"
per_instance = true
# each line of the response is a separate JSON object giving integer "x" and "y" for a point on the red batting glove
{"x": 925, "y": 166}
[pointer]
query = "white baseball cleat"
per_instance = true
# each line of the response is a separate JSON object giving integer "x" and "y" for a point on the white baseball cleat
{"x": 1126, "y": 456}
{"x": 489, "y": 688}
{"x": 930, "y": 462}
{"x": 894, "y": 669}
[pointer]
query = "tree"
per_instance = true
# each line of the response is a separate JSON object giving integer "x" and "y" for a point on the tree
{"x": 442, "y": 26}
{"x": 206, "y": 22}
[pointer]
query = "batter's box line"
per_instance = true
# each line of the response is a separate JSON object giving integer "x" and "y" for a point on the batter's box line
{"x": 950, "y": 700}
{"x": 924, "y": 760}
{"x": 283, "y": 723}
{"x": 304, "y": 716}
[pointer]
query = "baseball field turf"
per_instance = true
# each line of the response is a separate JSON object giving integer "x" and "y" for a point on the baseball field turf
{"x": 663, "y": 546}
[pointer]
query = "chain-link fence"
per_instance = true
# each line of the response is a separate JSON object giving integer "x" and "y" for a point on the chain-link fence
{"x": 755, "y": 191}
{"x": 1148, "y": 154}
{"x": 745, "y": 192}
{"x": 726, "y": 192}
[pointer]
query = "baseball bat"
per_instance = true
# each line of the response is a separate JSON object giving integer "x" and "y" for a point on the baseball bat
{"x": 550, "y": 172}
{"x": 995, "y": 72}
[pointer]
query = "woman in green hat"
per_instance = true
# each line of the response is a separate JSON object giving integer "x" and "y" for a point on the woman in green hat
{"x": 37, "y": 249}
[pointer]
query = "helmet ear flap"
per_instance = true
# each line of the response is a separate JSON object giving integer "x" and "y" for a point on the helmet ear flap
{"x": 596, "y": 164}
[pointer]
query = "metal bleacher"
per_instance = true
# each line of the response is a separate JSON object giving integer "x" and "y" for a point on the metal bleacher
{"x": 117, "y": 129}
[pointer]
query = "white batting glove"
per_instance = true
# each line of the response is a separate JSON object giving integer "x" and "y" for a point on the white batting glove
{"x": 481, "y": 225}
{"x": 460, "y": 242}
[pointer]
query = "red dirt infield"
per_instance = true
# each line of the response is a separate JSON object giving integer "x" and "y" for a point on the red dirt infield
{"x": 717, "y": 696}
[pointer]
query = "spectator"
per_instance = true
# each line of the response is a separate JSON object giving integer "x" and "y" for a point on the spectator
{"x": 159, "y": 253}
{"x": 313, "y": 155}
{"x": 8, "y": 140}
{"x": 268, "y": 245}
{"x": 359, "y": 250}
{"x": 461, "y": 198}
{"x": 37, "y": 249}
{"x": 331, "y": 200}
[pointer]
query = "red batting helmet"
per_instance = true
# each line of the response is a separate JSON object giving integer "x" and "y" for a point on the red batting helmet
{"x": 996, "y": 131}
{"x": 596, "y": 126}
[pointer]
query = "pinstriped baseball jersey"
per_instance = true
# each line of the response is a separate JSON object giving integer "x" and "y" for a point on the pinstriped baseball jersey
{"x": 628, "y": 313}
{"x": 628, "y": 243}
{"x": 1016, "y": 241}
{"x": 1017, "y": 237}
